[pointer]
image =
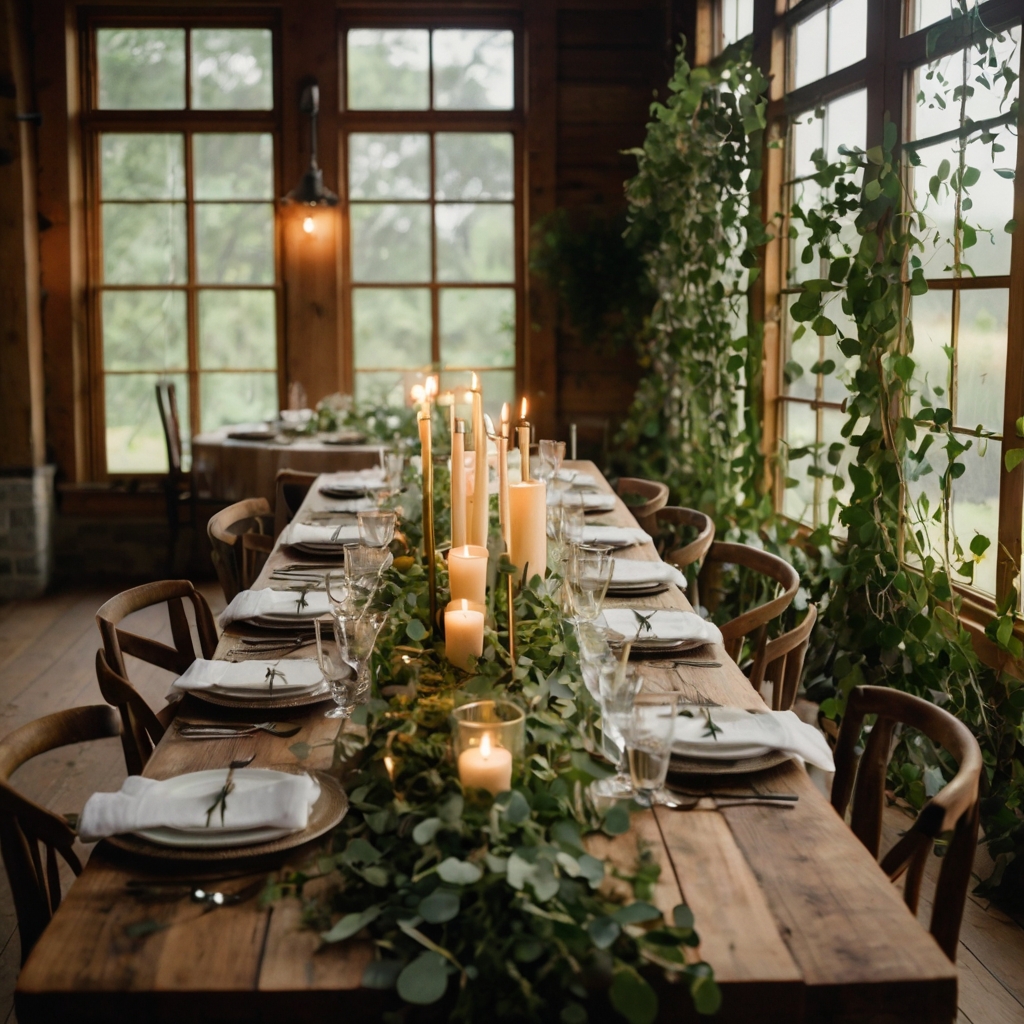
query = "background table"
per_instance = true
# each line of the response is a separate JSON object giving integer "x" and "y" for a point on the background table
{"x": 798, "y": 921}
{"x": 230, "y": 470}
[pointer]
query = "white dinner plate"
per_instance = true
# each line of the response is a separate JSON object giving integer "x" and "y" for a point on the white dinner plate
{"x": 720, "y": 752}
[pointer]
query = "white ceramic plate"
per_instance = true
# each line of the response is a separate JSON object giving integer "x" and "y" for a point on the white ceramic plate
{"x": 209, "y": 782}
{"x": 723, "y": 752}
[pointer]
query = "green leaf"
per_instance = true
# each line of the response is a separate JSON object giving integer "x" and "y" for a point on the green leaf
{"x": 459, "y": 872}
{"x": 350, "y": 924}
{"x": 616, "y": 821}
{"x": 943, "y": 172}
{"x": 637, "y": 913}
{"x": 603, "y": 931}
{"x": 591, "y": 869}
{"x": 573, "y": 1013}
{"x": 971, "y": 176}
{"x": 1014, "y": 457}
{"x": 682, "y": 916}
{"x": 423, "y": 980}
{"x": 518, "y": 808}
{"x": 707, "y": 996}
{"x": 979, "y": 544}
{"x": 301, "y": 750}
{"x": 440, "y": 906}
{"x": 425, "y": 831}
{"x": 415, "y": 630}
{"x": 381, "y": 974}
{"x": 1005, "y": 172}
{"x": 872, "y": 190}
{"x": 633, "y": 997}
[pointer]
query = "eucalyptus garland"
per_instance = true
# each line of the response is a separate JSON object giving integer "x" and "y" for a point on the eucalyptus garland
{"x": 482, "y": 907}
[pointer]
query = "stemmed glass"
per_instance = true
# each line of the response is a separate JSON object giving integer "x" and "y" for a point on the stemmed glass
{"x": 618, "y": 685}
{"x": 588, "y": 574}
{"x": 377, "y": 527}
{"x": 551, "y": 455}
{"x": 648, "y": 734}
{"x": 338, "y": 675}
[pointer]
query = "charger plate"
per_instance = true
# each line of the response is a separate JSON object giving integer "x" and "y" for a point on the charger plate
{"x": 284, "y": 701}
{"x": 742, "y": 766}
{"x": 331, "y": 806}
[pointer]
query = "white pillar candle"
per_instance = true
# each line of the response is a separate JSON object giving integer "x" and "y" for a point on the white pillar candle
{"x": 463, "y": 633}
{"x": 459, "y": 485}
{"x": 486, "y": 767}
{"x": 467, "y": 573}
{"x": 528, "y": 518}
{"x": 477, "y": 530}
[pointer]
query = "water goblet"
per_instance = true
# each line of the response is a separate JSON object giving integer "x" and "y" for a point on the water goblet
{"x": 588, "y": 575}
{"x": 618, "y": 685}
{"x": 338, "y": 674}
{"x": 551, "y": 455}
{"x": 648, "y": 735}
{"x": 377, "y": 527}
{"x": 359, "y": 636}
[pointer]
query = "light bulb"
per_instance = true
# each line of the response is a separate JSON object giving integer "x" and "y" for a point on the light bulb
{"x": 308, "y": 226}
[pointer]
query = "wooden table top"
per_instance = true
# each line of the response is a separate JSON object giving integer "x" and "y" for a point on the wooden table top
{"x": 796, "y": 918}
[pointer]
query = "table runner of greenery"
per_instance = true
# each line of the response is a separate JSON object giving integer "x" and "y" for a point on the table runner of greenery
{"x": 481, "y": 905}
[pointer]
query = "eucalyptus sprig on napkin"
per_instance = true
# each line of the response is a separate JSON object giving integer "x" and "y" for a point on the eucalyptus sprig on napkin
{"x": 491, "y": 907}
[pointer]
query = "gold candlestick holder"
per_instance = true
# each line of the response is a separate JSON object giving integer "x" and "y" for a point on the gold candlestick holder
{"x": 429, "y": 546}
{"x": 510, "y": 584}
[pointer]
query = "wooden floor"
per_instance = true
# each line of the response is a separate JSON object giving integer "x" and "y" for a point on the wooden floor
{"x": 47, "y": 648}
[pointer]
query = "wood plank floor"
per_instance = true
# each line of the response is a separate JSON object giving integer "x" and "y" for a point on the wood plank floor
{"x": 47, "y": 648}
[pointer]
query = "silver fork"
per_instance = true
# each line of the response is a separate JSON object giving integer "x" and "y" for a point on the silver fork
{"x": 203, "y": 730}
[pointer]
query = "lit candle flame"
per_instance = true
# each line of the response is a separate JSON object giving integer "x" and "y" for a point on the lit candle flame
{"x": 389, "y": 764}
{"x": 522, "y": 414}
{"x": 489, "y": 424}
{"x": 485, "y": 746}
{"x": 431, "y": 389}
{"x": 475, "y": 386}
{"x": 504, "y": 420}
{"x": 416, "y": 393}
{"x": 308, "y": 225}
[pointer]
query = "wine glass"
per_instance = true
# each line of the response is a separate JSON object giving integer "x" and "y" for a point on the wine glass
{"x": 588, "y": 574}
{"x": 338, "y": 674}
{"x": 648, "y": 734}
{"x": 377, "y": 527}
{"x": 551, "y": 455}
{"x": 618, "y": 685}
{"x": 358, "y": 637}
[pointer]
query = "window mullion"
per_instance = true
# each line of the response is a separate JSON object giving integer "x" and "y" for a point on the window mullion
{"x": 192, "y": 301}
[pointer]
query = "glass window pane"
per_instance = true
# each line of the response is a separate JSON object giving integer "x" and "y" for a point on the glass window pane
{"x": 236, "y": 165}
{"x": 135, "y": 435}
{"x": 809, "y": 40}
{"x": 927, "y": 12}
{"x": 804, "y": 352}
{"x": 140, "y": 68}
{"x": 381, "y": 387}
{"x": 846, "y": 123}
{"x": 976, "y": 506}
{"x": 478, "y": 327}
{"x": 144, "y": 330}
{"x": 800, "y": 431}
{"x": 981, "y": 358}
{"x": 473, "y": 165}
{"x": 143, "y": 166}
{"x": 834, "y": 384}
{"x": 804, "y": 263}
{"x": 832, "y": 422}
{"x": 932, "y": 317}
{"x": 232, "y": 69}
{"x": 391, "y": 327}
{"x": 388, "y": 166}
{"x": 144, "y": 243}
{"x": 808, "y": 136}
{"x": 237, "y": 330}
{"x": 737, "y": 20}
{"x": 473, "y": 69}
{"x": 390, "y": 242}
{"x": 388, "y": 69}
{"x": 235, "y": 243}
{"x": 847, "y": 33}
{"x": 236, "y": 398}
{"x": 475, "y": 242}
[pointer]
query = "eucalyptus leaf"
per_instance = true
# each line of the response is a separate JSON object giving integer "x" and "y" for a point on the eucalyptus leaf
{"x": 423, "y": 980}
{"x": 425, "y": 831}
{"x": 633, "y": 997}
{"x": 350, "y": 924}
{"x": 459, "y": 872}
{"x": 440, "y": 906}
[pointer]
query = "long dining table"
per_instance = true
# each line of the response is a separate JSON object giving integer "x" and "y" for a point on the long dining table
{"x": 794, "y": 914}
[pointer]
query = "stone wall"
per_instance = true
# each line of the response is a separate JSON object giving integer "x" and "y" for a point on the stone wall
{"x": 26, "y": 532}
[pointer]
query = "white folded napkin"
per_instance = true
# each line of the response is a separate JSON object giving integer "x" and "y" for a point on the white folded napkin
{"x": 665, "y": 624}
{"x": 741, "y": 734}
{"x": 250, "y": 675}
{"x": 575, "y": 477}
{"x": 317, "y": 533}
{"x": 261, "y": 799}
{"x": 595, "y": 501}
{"x": 618, "y": 536}
{"x": 635, "y": 571}
{"x": 250, "y": 603}
{"x": 368, "y": 479}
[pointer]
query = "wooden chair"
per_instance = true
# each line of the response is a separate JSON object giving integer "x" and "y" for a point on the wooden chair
{"x": 142, "y": 727}
{"x": 781, "y": 662}
{"x": 240, "y": 540}
{"x": 24, "y": 824}
{"x": 292, "y": 488}
{"x": 683, "y": 557}
{"x": 655, "y": 497}
{"x": 179, "y": 489}
{"x": 954, "y": 809}
{"x": 751, "y": 623}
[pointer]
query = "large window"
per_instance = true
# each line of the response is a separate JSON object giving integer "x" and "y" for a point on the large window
{"x": 841, "y": 82}
{"x": 184, "y": 281}
{"x": 430, "y": 145}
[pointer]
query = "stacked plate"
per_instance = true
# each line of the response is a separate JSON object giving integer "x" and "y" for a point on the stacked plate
{"x": 633, "y": 577}
{"x": 343, "y": 437}
{"x": 654, "y": 631}
{"x": 322, "y": 539}
{"x": 253, "y": 683}
{"x": 353, "y": 484}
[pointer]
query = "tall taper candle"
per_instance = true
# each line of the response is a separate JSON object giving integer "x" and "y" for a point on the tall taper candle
{"x": 429, "y": 552}
{"x": 477, "y": 528}
{"x": 523, "y": 435}
{"x": 459, "y": 484}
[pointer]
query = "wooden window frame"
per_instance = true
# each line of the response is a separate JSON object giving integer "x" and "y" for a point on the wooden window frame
{"x": 430, "y": 122}
{"x": 188, "y": 122}
{"x": 885, "y": 73}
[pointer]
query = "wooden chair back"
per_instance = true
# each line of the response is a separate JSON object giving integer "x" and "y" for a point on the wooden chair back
{"x": 292, "y": 488}
{"x": 781, "y": 662}
{"x": 240, "y": 537}
{"x": 139, "y": 734}
{"x": 167, "y": 403}
{"x": 655, "y": 497}
{"x": 954, "y": 809}
{"x": 751, "y": 623}
{"x": 25, "y": 825}
{"x": 674, "y": 516}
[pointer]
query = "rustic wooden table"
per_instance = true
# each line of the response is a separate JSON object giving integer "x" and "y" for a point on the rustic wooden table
{"x": 796, "y": 918}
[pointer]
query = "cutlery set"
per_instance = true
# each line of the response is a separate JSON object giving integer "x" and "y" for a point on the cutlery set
{"x": 691, "y": 800}
{"x": 221, "y": 730}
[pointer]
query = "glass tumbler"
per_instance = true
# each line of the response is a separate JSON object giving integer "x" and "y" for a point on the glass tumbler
{"x": 618, "y": 686}
{"x": 648, "y": 735}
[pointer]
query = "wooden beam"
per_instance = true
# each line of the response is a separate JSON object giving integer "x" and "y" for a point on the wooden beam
{"x": 22, "y": 441}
